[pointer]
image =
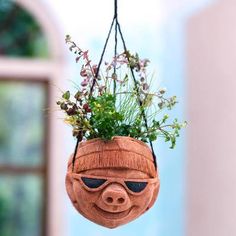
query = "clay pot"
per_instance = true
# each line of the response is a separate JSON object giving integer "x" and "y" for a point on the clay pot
{"x": 113, "y": 182}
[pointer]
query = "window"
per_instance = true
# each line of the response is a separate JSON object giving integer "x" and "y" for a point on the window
{"x": 23, "y": 157}
{"x": 24, "y": 122}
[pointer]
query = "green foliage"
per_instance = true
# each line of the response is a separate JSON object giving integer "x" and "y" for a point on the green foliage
{"x": 20, "y": 32}
{"x": 105, "y": 120}
{"x": 111, "y": 104}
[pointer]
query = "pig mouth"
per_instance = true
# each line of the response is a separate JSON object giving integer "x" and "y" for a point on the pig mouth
{"x": 112, "y": 215}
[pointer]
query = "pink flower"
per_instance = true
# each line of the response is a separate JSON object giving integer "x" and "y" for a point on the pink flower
{"x": 83, "y": 73}
{"x": 95, "y": 68}
{"x": 86, "y": 107}
{"x": 85, "y": 55}
{"x": 84, "y": 83}
{"x": 145, "y": 86}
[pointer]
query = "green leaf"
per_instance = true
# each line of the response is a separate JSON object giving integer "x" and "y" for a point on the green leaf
{"x": 66, "y": 95}
{"x": 167, "y": 139}
{"x": 152, "y": 137}
{"x": 78, "y": 95}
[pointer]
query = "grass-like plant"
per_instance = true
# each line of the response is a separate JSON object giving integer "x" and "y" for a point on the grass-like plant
{"x": 110, "y": 103}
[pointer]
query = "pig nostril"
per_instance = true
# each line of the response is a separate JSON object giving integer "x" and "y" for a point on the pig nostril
{"x": 109, "y": 199}
{"x": 121, "y": 200}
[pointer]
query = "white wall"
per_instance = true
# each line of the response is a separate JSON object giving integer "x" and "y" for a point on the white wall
{"x": 211, "y": 79}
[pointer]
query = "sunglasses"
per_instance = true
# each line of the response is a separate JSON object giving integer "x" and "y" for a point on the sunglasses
{"x": 93, "y": 184}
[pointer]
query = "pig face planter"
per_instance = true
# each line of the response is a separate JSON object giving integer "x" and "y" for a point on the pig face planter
{"x": 113, "y": 182}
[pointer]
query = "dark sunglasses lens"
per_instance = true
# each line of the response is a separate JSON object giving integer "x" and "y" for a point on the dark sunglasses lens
{"x": 136, "y": 187}
{"x": 93, "y": 183}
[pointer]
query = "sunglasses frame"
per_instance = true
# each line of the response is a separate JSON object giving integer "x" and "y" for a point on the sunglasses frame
{"x": 109, "y": 180}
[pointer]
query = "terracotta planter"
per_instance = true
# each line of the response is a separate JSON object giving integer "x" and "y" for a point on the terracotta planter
{"x": 113, "y": 182}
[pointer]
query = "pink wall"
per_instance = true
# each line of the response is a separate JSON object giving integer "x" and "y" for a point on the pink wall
{"x": 211, "y": 81}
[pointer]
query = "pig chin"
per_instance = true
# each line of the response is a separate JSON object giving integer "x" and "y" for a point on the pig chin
{"x": 112, "y": 219}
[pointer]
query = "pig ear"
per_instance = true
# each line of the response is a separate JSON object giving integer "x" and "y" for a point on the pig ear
{"x": 69, "y": 188}
{"x": 154, "y": 195}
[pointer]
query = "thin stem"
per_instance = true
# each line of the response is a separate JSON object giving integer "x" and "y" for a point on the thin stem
{"x": 158, "y": 128}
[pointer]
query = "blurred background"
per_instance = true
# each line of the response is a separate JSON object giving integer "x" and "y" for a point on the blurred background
{"x": 192, "y": 47}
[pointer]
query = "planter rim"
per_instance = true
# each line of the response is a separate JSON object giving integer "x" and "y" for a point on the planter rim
{"x": 113, "y": 138}
{"x": 127, "y": 152}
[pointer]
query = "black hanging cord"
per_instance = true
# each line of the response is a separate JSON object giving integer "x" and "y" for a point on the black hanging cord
{"x": 80, "y": 136}
{"x": 138, "y": 95}
{"x": 117, "y": 28}
{"x": 79, "y": 139}
{"x": 115, "y": 50}
{"x": 100, "y": 61}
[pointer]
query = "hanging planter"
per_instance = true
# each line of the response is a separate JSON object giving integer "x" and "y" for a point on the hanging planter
{"x": 113, "y": 181}
{"x": 112, "y": 175}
